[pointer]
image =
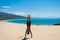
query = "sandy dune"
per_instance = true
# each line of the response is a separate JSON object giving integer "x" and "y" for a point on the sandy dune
{"x": 12, "y": 31}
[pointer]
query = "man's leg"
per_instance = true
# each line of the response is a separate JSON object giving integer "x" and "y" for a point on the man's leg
{"x": 25, "y": 33}
{"x": 31, "y": 34}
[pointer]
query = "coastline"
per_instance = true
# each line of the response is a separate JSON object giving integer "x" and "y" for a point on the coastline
{"x": 38, "y": 21}
{"x": 12, "y": 19}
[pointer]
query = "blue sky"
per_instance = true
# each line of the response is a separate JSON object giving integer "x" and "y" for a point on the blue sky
{"x": 37, "y": 8}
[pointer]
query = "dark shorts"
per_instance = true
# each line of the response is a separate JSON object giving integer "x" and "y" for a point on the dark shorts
{"x": 28, "y": 23}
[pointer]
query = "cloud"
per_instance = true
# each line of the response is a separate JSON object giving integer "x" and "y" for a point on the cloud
{"x": 5, "y": 7}
{"x": 20, "y": 13}
{"x": 45, "y": 15}
{"x": 8, "y": 12}
{"x": 39, "y": 14}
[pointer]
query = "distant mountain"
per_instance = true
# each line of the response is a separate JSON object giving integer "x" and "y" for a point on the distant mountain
{"x": 57, "y": 24}
{"x": 5, "y": 16}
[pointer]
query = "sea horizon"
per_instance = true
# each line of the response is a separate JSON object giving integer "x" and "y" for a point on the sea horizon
{"x": 37, "y": 21}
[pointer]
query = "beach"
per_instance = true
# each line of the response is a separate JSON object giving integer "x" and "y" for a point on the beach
{"x": 13, "y": 31}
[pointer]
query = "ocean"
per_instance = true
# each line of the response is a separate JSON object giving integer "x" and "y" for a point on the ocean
{"x": 38, "y": 21}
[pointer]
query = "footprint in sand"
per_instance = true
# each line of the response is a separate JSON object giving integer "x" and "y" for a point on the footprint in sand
{"x": 20, "y": 37}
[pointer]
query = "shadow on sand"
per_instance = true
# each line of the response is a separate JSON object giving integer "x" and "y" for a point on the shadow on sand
{"x": 25, "y": 38}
